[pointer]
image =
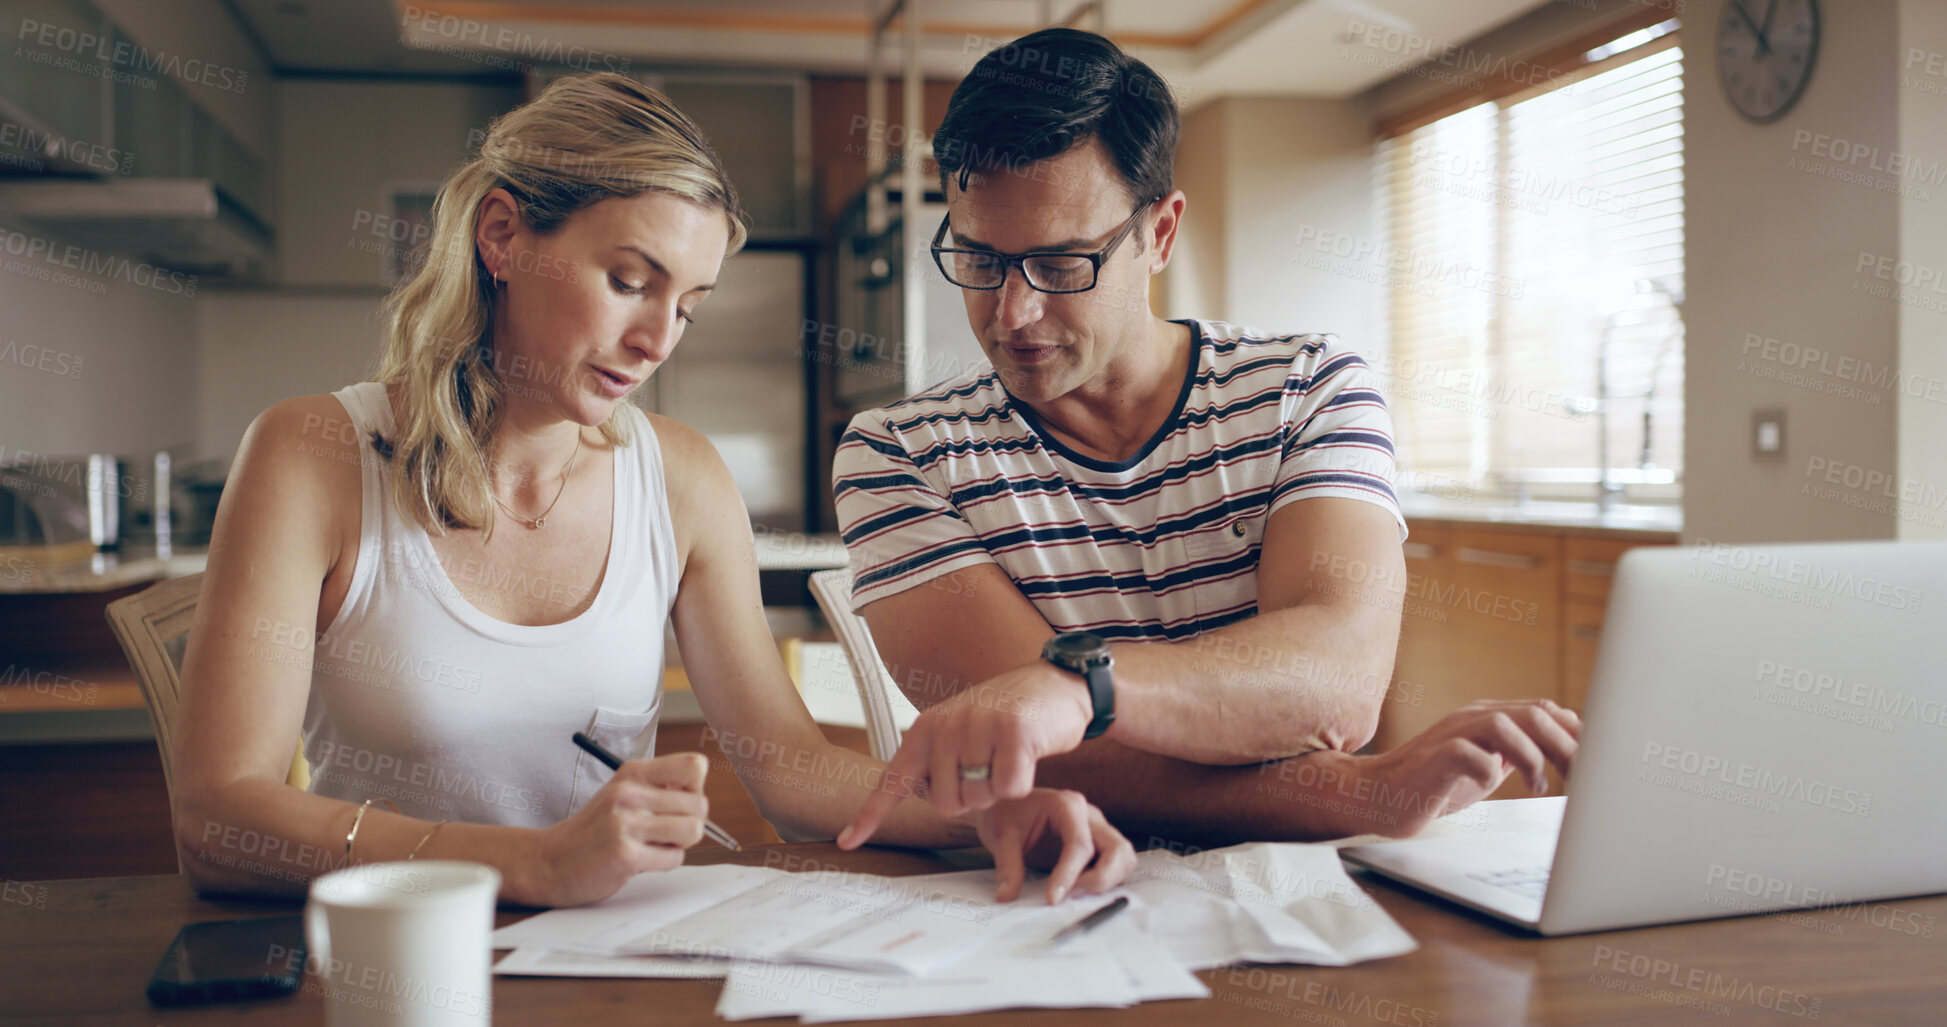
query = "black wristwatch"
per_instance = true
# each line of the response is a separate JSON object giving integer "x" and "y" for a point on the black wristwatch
{"x": 1088, "y": 655}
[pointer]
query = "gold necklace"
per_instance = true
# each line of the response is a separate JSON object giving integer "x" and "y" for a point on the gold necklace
{"x": 541, "y": 521}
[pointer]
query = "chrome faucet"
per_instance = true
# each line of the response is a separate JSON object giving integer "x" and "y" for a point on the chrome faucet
{"x": 1607, "y": 488}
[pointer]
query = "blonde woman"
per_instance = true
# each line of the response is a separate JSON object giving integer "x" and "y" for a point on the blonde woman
{"x": 438, "y": 576}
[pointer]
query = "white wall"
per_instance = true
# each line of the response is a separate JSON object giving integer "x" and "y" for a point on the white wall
{"x": 1264, "y": 177}
{"x": 187, "y": 372}
{"x": 1923, "y": 243}
{"x": 1781, "y": 248}
{"x": 105, "y": 366}
{"x": 345, "y": 143}
{"x": 1770, "y": 251}
{"x": 256, "y": 348}
{"x": 1193, "y": 283}
{"x": 105, "y": 362}
{"x": 1298, "y": 168}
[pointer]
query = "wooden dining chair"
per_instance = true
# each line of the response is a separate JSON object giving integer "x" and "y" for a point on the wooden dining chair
{"x": 878, "y": 692}
{"x": 153, "y": 627}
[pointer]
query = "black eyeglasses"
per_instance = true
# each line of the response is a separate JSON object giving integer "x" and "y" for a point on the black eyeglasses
{"x": 1043, "y": 271}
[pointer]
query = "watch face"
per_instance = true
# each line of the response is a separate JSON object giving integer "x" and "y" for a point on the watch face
{"x": 1075, "y": 648}
{"x": 1765, "y": 50}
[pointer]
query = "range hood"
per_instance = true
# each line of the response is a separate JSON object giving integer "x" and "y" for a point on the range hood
{"x": 186, "y": 225}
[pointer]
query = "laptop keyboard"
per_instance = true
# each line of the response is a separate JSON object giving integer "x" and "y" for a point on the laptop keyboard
{"x": 1529, "y": 882}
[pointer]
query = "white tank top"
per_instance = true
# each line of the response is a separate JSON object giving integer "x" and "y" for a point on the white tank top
{"x": 419, "y": 697}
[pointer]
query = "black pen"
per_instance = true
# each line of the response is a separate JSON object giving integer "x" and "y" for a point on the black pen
{"x": 614, "y": 762}
{"x": 1089, "y": 922}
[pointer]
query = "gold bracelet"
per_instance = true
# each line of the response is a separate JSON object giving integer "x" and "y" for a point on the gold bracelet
{"x": 359, "y": 817}
{"x": 424, "y": 840}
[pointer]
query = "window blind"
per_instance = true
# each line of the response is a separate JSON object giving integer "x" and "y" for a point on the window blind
{"x": 1531, "y": 236}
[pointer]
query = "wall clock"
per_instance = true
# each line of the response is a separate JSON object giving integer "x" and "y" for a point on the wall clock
{"x": 1765, "y": 50}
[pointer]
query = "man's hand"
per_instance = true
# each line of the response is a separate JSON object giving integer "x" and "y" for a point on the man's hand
{"x": 1463, "y": 757}
{"x": 1056, "y": 831}
{"x": 998, "y": 729}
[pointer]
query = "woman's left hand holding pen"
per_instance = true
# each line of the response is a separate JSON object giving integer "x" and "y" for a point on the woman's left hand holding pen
{"x": 642, "y": 819}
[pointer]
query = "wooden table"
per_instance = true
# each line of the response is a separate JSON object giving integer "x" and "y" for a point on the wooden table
{"x": 81, "y": 952}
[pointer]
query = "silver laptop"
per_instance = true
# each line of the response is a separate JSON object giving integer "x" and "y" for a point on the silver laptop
{"x": 1766, "y": 729}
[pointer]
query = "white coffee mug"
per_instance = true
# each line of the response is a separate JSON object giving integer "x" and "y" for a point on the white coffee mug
{"x": 404, "y": 944}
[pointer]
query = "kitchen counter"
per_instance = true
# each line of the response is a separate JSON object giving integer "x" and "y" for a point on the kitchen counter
{"x": 63, "y": 677}
{"x": 66, "y": 572}
{"x": 1638, "y": 522}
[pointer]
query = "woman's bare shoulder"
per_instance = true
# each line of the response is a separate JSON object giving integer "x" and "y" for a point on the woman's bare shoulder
{"x": 701, "y": 490}
{"x": 305, "y": 451}
{"x": 679, "y": 441}
{"x": 313, "y": 426}
{"x": 291, "y": 503}
{"x": 689, "y": 457}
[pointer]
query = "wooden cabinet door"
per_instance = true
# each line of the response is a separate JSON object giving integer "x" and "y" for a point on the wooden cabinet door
{"x": 1589, "y": 567}
{"x": 1581, "y": 633}
{"x": 1588, "y": 572}
{"x": 1506, "y": 624}
{"x": 1422, "y": 639}
{"x": 1480, "y": 621}
{"x": 1504, "y": 615}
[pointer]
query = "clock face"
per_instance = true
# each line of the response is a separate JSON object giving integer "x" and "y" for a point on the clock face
{"x": 1765, "y": 50}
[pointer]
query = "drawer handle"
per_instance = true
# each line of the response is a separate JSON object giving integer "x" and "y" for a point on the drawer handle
{"x": 1518, "y": 561}
{"x": 1420, "y": 550}
{"x": 1586, "y": 632}
{"x": 1592, "y": 568}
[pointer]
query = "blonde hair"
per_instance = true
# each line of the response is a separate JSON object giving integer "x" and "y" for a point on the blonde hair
{"x": 584, "y": 139}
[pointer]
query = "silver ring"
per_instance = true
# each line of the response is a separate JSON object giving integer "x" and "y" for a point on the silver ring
{"x": 979, "y": 773}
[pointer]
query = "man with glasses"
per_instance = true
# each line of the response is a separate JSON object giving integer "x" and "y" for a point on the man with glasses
{"x": 1156, "y": 562}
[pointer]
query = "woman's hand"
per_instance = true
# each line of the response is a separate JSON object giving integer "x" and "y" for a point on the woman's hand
{"x": 642, "y": 819}
{"x": 1058, "y": 829}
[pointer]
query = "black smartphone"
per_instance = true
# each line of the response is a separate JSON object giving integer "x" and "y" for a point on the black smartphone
{"x": 220, "y": 960}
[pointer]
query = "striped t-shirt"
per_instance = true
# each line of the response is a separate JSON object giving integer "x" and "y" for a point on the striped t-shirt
{"x": 1161, "y": 547}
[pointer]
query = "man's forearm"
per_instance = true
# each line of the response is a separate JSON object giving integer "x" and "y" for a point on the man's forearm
{"x": 1279, "y": 684}
{"x": 1156, "y": 800}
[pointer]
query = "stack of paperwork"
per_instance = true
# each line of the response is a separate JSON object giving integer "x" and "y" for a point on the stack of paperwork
{"x": 831, "y": 945}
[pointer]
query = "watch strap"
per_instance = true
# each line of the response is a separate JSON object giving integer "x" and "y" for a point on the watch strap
{"x": 1101, "y": 695}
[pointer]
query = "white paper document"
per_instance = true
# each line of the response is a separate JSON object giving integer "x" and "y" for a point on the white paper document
{"x": 1262, "y": 902}
{"x": 647, "y": 901}
{"x": 1114, "y": 966}
{"x": 835, "y": 945}
{"x": 866, "y": 922}
{"x": 541, "y": 962}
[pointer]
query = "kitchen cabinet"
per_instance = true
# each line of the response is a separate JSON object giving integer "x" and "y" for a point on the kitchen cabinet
{"x": 1498, "y": 612}
{"x": 740, "y": 380}
{"x": 63, "y": 80}
{"x": 1588, "y": 569}
{"x": 152, "y": 130}
{"x": 758, "y": 127}
{"x": 757, "y": 122}
{"x": 1481, "y": 620}
{"x": 366, "y": 152}
{"x": 51, "y": 87}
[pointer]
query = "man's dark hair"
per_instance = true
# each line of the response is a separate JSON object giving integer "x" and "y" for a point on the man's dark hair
{"x": 1050, "y": 91}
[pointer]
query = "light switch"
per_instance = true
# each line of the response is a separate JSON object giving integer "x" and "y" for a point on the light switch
{"x": 1768, "y": 434}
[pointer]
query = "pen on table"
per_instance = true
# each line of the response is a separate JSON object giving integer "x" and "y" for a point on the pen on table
{"x": 1089, "y": 922}
{"x": 614, "y": 762}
